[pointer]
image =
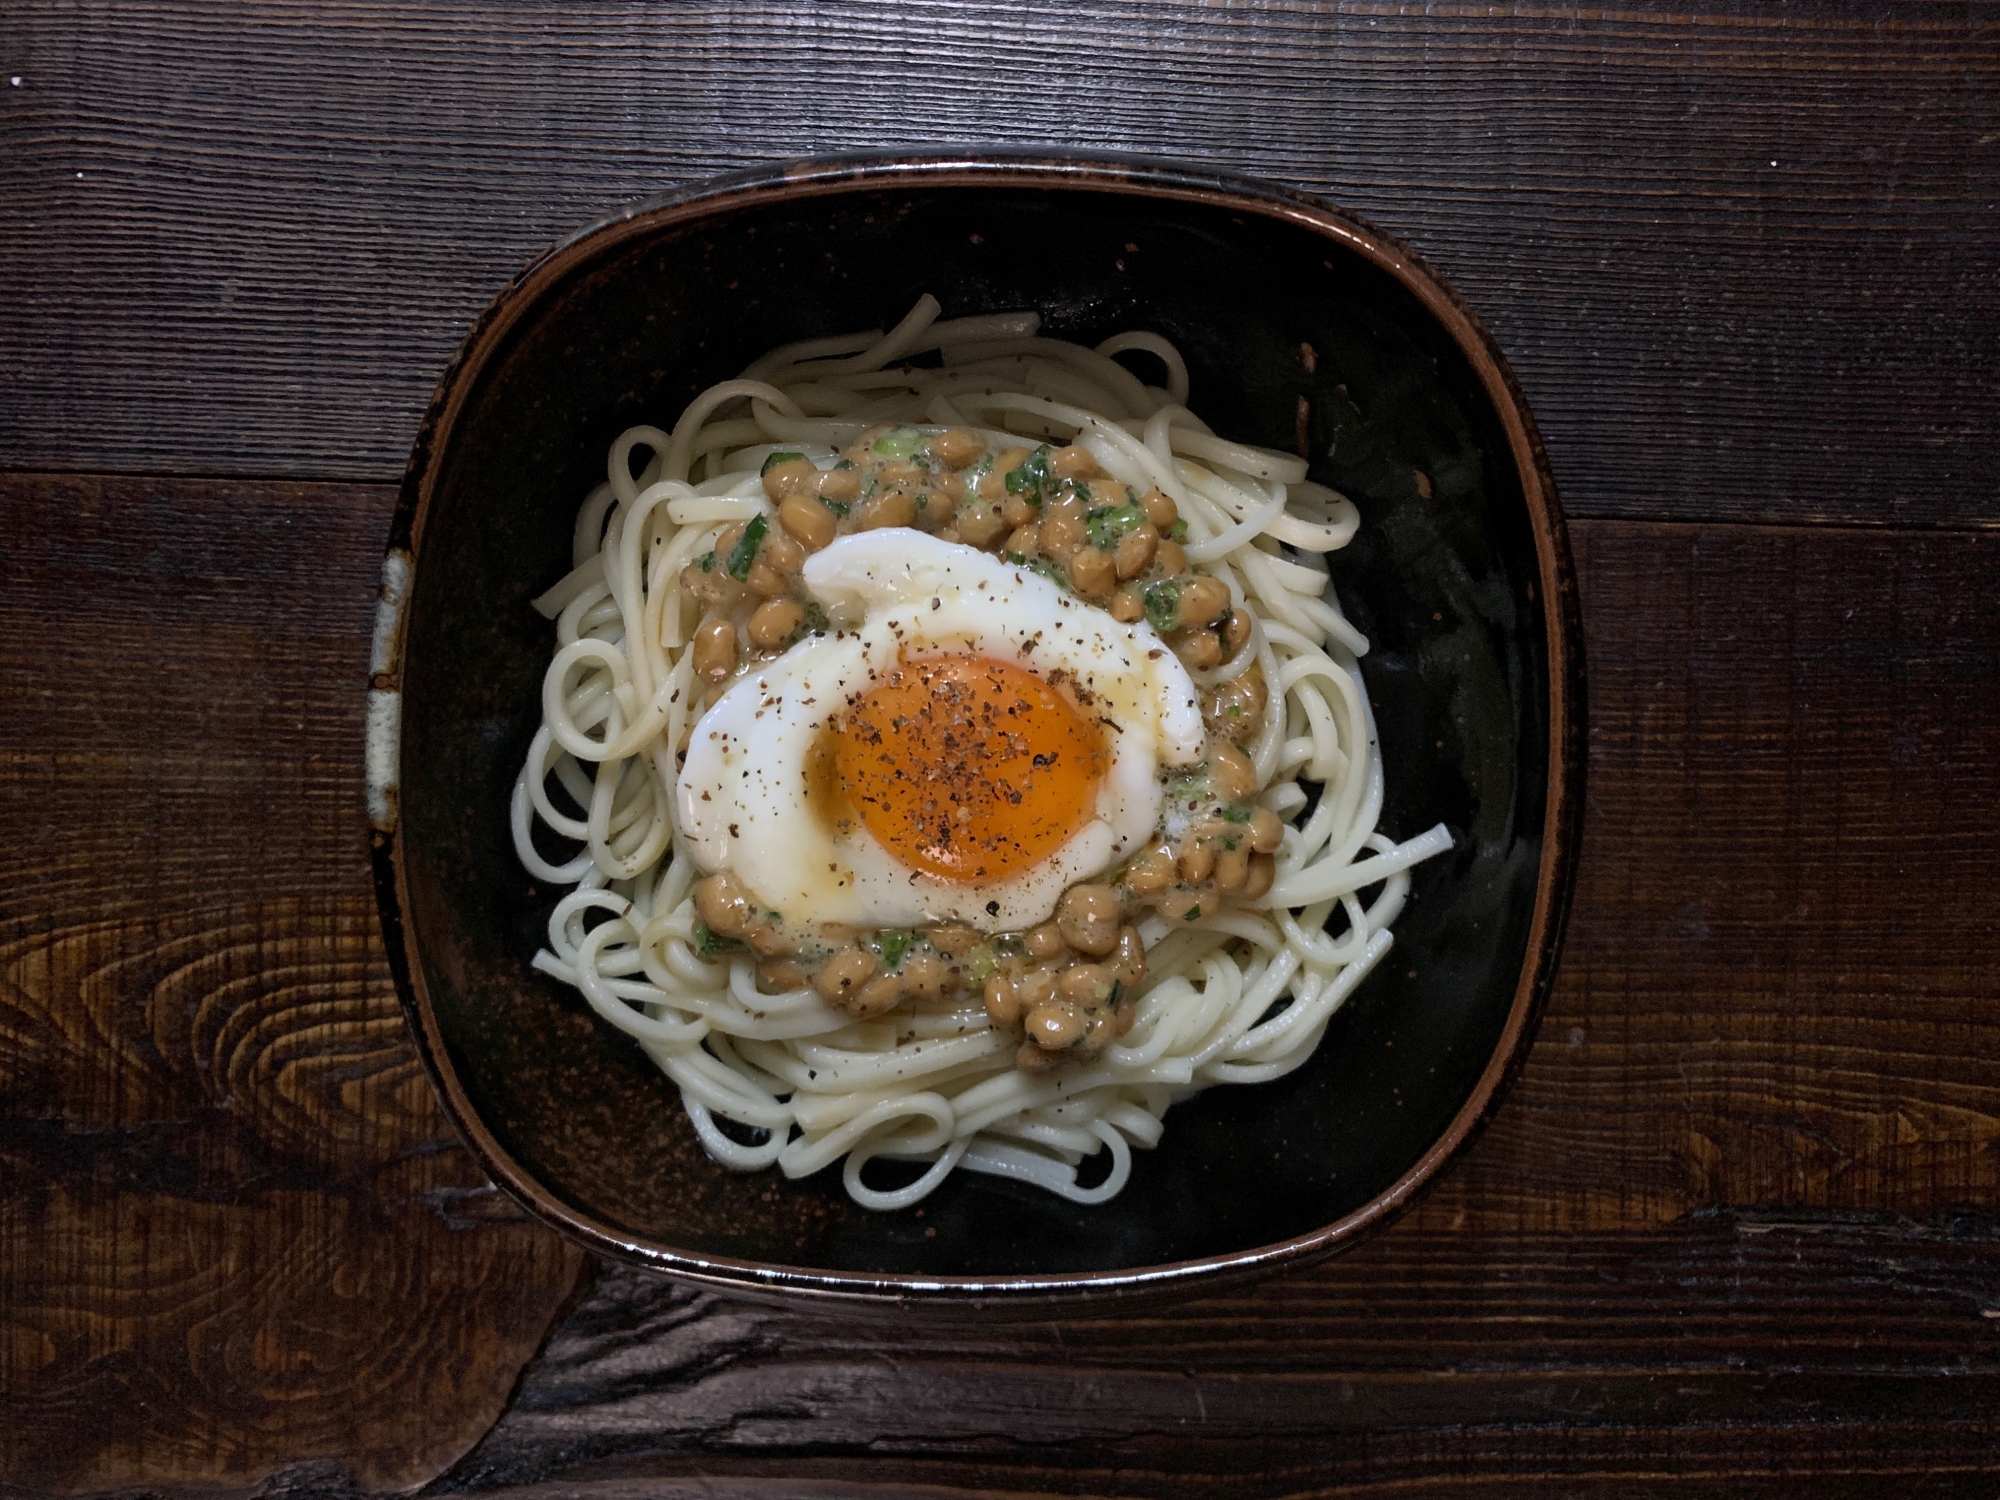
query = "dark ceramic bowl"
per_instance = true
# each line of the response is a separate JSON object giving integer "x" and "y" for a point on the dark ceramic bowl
{"x": 1304, "y": 330}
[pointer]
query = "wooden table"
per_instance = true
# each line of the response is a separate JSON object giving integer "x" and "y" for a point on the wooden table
{"x": 1736, "y": 1230}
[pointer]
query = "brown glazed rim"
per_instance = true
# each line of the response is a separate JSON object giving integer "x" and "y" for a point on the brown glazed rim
{"x": 1067, "y": 171}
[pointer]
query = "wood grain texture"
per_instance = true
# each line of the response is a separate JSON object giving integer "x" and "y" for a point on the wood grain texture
{"x": 1429, "y": 1361}
{"x": 236, "y": 1237}
{"x": 1781, "y": 983}
{"x": 1745, "y": 258}
{"x": 1738, "y": 1223}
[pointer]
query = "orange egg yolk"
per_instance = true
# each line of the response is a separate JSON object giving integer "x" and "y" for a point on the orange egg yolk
{"x": 969, "y": 769}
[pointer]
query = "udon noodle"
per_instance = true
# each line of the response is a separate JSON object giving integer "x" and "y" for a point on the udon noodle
{"x": 1241, "y": 994}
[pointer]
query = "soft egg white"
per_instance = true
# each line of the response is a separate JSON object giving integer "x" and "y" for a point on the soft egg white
{"x": 743, "y": 798}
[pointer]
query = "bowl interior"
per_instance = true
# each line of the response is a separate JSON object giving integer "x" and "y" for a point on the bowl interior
{"x": 1291, "y": 339}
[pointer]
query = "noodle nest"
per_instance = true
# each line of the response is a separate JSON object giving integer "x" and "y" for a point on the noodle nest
{"x": 1239, "y": 995}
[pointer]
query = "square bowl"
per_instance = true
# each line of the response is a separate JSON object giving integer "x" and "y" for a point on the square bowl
{"x": 1303, "y": 330}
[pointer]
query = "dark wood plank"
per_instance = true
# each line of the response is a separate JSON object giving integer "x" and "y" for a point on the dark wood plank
{"x": 1738, "y": 1222}
{"x": 1780, "y": 980}
{"x": 1746, "y": 258}
{"x": 1427, "y": 1362}
{"x": 1736, "y": 1230}
{"x": 236, "y": 1236}
{"x": 1477, "y": 1476}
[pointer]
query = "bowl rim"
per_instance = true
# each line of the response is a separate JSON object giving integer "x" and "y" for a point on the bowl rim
{"x": 829, "y": 176}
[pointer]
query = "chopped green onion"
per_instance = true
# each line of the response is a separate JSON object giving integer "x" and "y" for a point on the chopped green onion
{"x": 893, "y": 945}
{"x": 1033, "y": 473}
{"x": 1235, "y": 814}
{"x": 1163, "y": 604}
{"x": 838, "y": 507}
{"x": 1177, "y": 532}
{"x": 744, "y": 554}
{"x": 899, "y": 442}
{"x": 775, "y": 459}
{"x": 1109, "y": 523}
{"x": 708, "y": 943}
{"x": 706, "y": 562}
